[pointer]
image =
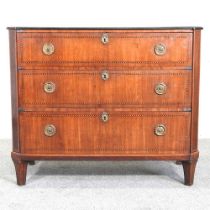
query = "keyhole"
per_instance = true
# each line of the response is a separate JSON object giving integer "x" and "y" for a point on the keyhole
{"x": 105, "y": 75}
{"x": 104, "y": 117}
{"x": 104, "y": 38}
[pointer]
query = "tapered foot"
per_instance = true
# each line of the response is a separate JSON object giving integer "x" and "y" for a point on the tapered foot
{"x": 189, "y": 170}
{"x": 20, "y": 168}
{"x": 31, "y": 162}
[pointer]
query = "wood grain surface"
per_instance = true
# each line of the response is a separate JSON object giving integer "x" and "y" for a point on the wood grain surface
{"x": 136, "y": 88}
{"x": 86, "y": 48}
{"x": 81, "y": 96}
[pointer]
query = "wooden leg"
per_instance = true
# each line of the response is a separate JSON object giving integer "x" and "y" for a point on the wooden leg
{"x": 31, "y": 162}
{"x": 21, "y": 169}
{"x": 189, "y": 171}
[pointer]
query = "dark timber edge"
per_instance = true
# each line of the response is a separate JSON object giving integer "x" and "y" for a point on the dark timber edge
{"x": 107, "y": 28}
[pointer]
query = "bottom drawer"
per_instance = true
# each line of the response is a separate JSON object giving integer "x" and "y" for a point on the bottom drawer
{"x": 110, "y": 133}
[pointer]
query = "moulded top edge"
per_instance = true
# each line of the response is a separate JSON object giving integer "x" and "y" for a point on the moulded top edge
{"x": 107, "y": 28}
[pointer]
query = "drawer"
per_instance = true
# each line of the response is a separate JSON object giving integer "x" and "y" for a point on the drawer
{"x": 107, "y": 133}
{"x": 93, "y": 88}
{"x": 103, "y": 48}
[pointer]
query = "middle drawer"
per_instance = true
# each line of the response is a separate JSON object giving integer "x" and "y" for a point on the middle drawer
{"x": 132, "y": 88}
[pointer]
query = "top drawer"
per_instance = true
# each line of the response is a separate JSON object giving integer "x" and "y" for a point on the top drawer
{"x": 113, "y": 48}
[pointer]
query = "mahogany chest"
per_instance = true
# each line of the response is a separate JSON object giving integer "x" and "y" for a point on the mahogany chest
{"x": 105, "y": 94}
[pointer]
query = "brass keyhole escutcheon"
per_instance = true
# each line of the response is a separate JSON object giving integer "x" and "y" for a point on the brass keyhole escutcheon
{"x": 105, "y": 75}
{"x": 104, "y": 117}
{"x": 160, "y": 88}
{"x": 48, "y": 49}
{"x": 105, "y": 38}
{"x": 160, "y": 49}
{"x": 50, "y": 130}
{"x": 160, "y": 130}
{"x": 49, "y": 87}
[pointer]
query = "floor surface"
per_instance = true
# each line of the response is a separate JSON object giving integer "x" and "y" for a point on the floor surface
{"x": 140, "y": 185}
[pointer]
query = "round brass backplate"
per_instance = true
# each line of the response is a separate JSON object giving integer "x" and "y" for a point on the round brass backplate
{"x": 160, "y": 130}
{"x": 48, "y": 49}
{"x": 50, "y": 130}
{"x": 160, "y": 88}
{"x": 49, "y": 87}
{"x": 160, "y": 49}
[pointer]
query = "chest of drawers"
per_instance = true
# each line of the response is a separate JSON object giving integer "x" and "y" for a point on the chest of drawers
{"x": 105, "y": 94}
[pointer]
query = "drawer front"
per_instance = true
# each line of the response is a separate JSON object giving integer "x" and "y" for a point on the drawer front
{"x": 88, "y": 48}
{"x": 131, "y": 88}
{"x": 110, "y": 133}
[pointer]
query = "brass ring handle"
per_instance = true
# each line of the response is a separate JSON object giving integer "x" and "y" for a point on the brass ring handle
{"x": 160, "y": 49}
{"x": 50, "y": 130}
{"x": 160, "y": 88}
{"x": 104, "y": 117}
{"x": 49, "y": 87}
{"x": 105, "y": 75}
{"x": 160, "y": 130}
{"x": 105, "y": 38}
{"x": 48, "y": 49}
